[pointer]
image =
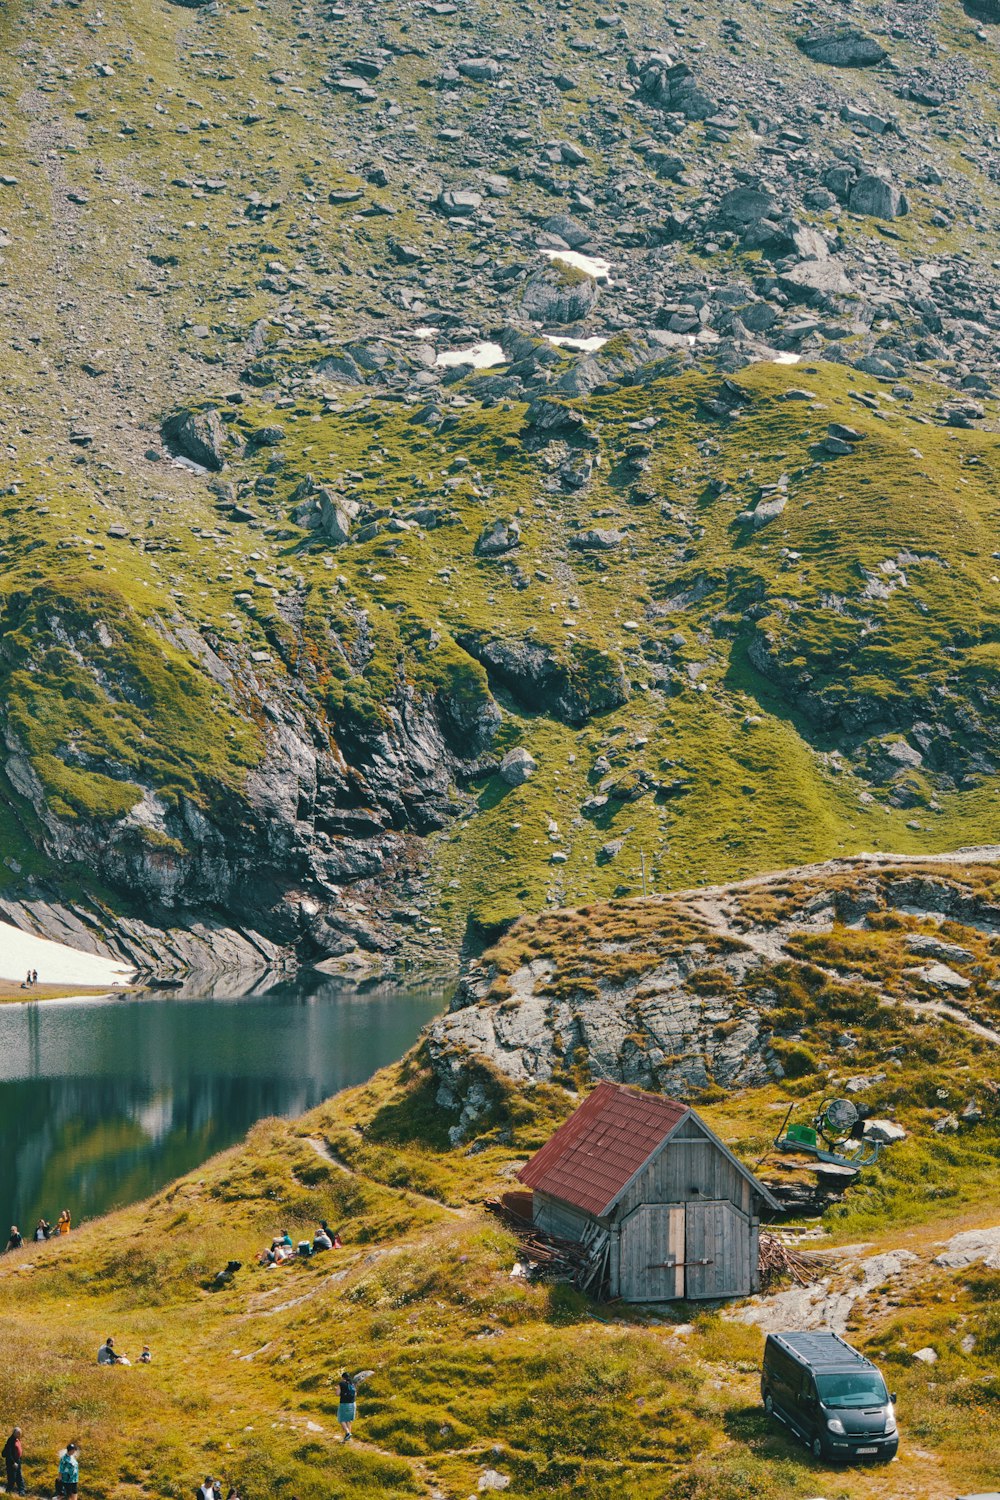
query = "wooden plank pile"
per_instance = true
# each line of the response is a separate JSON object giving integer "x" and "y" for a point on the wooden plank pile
{"x": 778, "y": 1261}
{"x": 547, "y": 1257}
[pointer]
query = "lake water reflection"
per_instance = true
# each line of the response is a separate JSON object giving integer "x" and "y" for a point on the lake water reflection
{"x": 102, "y": 1102}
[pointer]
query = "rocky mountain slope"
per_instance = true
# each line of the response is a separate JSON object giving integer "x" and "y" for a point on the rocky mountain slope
{"x": 460, "y": 458}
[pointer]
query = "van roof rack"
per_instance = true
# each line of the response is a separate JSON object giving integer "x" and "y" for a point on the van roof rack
{"x": 820, "y": 1346}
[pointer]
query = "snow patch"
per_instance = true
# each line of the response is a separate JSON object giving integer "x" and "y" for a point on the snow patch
{"x": 480, "y": 356}
{"x": 56, "y": 963}
{"x": 590, "y": 265}
{"x": 585, "y": 346}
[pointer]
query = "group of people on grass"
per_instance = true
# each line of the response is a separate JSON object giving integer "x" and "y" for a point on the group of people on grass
{"x": 67, "y": 1482}
{"x": 43, "y": 1231}
{"x": 30, "y": 980}
{"x": 107, "y": 1354}
{"x": 67, "y": 1473}
{"x": 284, "y": 1247}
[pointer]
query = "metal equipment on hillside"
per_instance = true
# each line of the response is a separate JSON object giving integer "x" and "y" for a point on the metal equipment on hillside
{"x": 834, "y": 1136}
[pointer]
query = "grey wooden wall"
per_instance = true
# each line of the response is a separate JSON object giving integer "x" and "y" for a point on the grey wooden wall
{"x": 688, "y": 1168}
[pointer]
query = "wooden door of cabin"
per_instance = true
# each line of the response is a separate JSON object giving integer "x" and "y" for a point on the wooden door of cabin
{"x": 716, "y": 1251}
{"x": 652, "y": 1253}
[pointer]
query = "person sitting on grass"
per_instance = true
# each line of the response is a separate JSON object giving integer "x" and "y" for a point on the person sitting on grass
{"x": 321, "y": 1240}
{"x": 16, "y": 1238}
{"x": 107, "y": 1354}
{"x": 146, "y": 1357}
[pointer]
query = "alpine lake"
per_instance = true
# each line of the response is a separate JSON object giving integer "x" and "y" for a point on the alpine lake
{"x": 103, "y": 1101}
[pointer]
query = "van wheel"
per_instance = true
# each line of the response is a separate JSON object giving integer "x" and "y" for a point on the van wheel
{"x": 817, "y": 1447}
{"x": 769, "y": 1403}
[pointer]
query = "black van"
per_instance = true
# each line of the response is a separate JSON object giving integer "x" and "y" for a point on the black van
{"x": 830, "y": 1396}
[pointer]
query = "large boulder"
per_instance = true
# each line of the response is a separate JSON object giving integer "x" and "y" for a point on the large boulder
{"x": 327, "y": 513}
{"x": 518, "y": 766}
{"x": 459, "y": 203}
{"x": 498, "y": 537}
{"x": 876, "y": 197}
{"x": 672, "y": 87}
{"x": 569, "y": 230}
{"x": 841, "y": 47}
{"x": 197, "y": 435}
{"x": 479, "y": 69}
{"x": 745, "y": 205}
{"x": 558, "y": 294}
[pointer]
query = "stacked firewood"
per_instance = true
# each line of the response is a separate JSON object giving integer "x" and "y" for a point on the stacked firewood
{"x": 777, "y": 1261}
{"x": 546, "y": 1257}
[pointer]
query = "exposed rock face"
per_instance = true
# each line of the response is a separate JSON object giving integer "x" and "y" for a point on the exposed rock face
{"x": 572, "y": 684}
{"x": 227, "y": 959}
{"x": 842, "y": 47}
{"x": 685, "y": 993}
{"x": 197, "y": 435}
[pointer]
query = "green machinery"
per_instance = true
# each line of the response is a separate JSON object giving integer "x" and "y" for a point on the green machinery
{"x": 831, "y": 1137}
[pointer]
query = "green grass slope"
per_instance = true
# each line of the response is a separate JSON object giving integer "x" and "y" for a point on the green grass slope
{"x": 472, "y": 1370}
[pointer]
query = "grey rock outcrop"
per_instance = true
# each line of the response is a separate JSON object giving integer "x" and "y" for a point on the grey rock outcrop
{"x": 498, "y": 537}
{"x": 459, "y": 203}
{"x": 558, "y": 294}
{"x": 672, "y": 87}
{"x": 518, "y": 766}
{"x": 877, "y": 197}
{"x": 841, "y": 47}
{"x": 572, "y": 683}
{"x": 197, "y": 435}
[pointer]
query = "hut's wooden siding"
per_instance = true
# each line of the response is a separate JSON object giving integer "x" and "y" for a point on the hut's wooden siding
{"x": 558, "y": 1218}
{"x": 689, "y": 1167}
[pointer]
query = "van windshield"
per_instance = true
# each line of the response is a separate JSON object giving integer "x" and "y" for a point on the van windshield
{"x": 852, "y": 1388}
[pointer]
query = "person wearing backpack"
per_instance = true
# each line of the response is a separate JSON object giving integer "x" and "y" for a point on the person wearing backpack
{"x": 347, "y": 1410}
{"x": 13, "y": 1451}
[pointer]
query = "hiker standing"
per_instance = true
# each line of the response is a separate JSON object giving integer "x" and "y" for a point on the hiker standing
{"x": 347, "y": 1409}
{"x": 13, "y": 1452}
{"x": 68, "y": 1482}
{"x": 34, "y": 976}
{"x": 205, "y": 1491}
{"x": 63, "y": 1223}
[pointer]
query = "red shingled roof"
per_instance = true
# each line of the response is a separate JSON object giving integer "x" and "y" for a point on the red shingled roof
{"x": 601, "y": 1146}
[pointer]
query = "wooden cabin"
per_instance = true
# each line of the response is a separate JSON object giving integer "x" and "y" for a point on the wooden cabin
{"x": 680, "y": 1214}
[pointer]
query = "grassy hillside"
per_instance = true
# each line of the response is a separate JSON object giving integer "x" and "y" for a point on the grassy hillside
{"x": 473, "y": 1369}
